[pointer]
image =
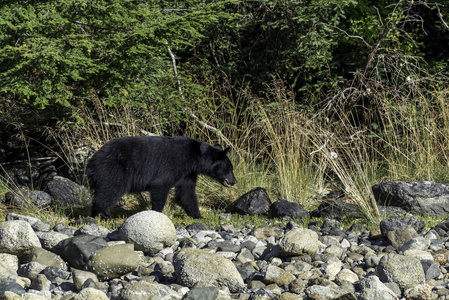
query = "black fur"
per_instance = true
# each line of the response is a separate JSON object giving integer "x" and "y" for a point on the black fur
{"x": 155, "y": 164}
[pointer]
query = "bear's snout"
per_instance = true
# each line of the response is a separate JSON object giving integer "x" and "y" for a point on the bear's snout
{"x": 227, "y": 182}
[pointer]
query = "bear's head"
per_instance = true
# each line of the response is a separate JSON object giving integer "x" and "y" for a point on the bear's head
{"x": 217, "y": 165}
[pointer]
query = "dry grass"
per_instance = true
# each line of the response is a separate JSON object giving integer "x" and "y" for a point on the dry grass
{"x": 414, "y": 138}
{"x": 278, "y": 146}
{"x": 294, "y": 156}
{"x": 346, "y": 152}
{"x": 285, "y": 134}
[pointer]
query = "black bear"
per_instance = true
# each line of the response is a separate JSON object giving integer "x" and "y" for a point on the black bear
{"x": 155, "y": 164}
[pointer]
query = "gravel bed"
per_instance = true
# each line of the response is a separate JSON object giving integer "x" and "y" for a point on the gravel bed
{"x": 148, "y": 258}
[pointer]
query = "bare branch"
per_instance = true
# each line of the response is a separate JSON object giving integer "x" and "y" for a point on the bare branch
{"x": 122, "y": 125}
{"x": 379, "y": 16}
{"x": 322, "y": 146}
{"x": 190, "y": 112}
{"x": 440, "y": 15}
{"x": 350, "y": 35}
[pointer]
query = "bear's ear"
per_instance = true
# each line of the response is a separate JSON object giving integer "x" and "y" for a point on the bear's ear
{"x": 218, "y": 146}
{"x": 222, "y": 153}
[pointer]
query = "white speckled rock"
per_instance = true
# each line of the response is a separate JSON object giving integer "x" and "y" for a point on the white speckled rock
{"x": 201, "y": 268}
{"x": 18, "y": 238}
{"x": 405, "y": 271}
{"x": 299, "y": 241}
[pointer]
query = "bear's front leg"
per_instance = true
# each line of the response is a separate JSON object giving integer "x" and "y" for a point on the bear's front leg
{"x": 186, "y": 196}
{"x": 158, "y": 197}
{"x": 105, "y": 199}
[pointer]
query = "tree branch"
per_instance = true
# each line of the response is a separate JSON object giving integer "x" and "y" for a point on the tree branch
{"x": 350, "y": 35}
{"x": 440, "y": 15}
{"x": 187, "y": 110}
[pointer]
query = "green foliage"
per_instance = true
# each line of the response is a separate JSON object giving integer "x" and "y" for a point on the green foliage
{"x": 320, "y": 47}
{"x": 283, "y": 38}
{"x": 58, "y": 54}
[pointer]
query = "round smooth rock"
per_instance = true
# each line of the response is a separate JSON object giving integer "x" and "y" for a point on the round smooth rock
{"x": 149, "y": 231}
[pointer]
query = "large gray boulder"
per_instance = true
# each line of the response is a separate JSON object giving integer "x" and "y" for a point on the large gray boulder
{"x": 78, "y": 249}
{"x": 67, "y": 193}
{"x": 150, "y": 231}
{"x": 114, "y": 261}
{"x": 202, "y": 268}
{"x": 17, "y": 238}
{"x": 425, "y": 198}
{"x": 406, "y": 272}
{"x": 299, "y": 241}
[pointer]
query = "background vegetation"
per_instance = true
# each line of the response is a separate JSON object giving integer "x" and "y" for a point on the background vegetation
{"x": 312, "y": 95}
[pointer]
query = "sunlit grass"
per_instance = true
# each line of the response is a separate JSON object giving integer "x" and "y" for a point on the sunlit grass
{"x": 414, "y": 137}
{"x": 295, "y": 155}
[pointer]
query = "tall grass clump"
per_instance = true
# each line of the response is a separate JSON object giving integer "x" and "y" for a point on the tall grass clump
{"x": 413, "y": 138}
{"x": 284, "y": 129}
{"x": 95, "y": 125}
{"x": 270, "y": 147}
{"x": 247, "y": 155}
{"x": 348, "y": 154}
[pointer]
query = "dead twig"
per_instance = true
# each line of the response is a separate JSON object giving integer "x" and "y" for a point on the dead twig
{"x": 440, "y": 15}
{"x": 189, "y": 111}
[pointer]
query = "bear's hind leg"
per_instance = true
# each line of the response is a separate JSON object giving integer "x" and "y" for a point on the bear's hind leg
{"x": 186, "y": 196}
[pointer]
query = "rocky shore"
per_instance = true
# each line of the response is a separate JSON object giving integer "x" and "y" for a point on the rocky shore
{"x": 148, "y": 258}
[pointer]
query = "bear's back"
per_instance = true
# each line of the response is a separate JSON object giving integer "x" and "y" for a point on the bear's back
{"x": 136, "y": 152}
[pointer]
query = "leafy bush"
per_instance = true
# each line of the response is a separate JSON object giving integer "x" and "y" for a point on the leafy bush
{"x": 58, "y": 55}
